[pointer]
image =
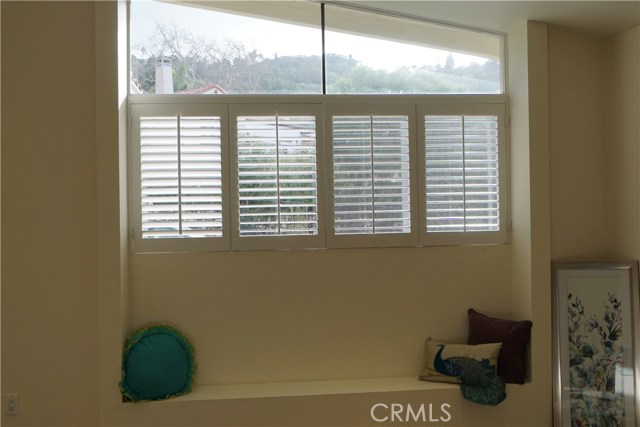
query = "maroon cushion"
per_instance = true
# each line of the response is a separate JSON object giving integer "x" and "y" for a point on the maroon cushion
{"x": 513, "y": 335}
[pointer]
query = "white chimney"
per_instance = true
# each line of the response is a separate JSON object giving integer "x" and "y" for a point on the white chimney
{"x": 164, "y": 76}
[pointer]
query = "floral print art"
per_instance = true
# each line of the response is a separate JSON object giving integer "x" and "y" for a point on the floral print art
{"x": 595, "y": 353}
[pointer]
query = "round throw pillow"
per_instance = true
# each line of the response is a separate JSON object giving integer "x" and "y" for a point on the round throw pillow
{"x": 157, "y": 363}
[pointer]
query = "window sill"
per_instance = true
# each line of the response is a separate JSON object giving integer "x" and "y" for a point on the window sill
{"x": 311, "y": 388}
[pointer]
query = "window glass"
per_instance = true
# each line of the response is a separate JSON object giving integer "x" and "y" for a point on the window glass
{"x": 226, "y": 47}
{"x": 275, "y": 47}
{"x": 375, "y": 53}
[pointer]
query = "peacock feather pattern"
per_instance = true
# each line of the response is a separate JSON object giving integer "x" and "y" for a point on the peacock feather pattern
{"x": 478, "y": 381}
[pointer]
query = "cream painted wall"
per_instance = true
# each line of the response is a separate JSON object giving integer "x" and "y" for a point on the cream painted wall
{"x": 622, "y": 144}
{"x": 594, "y": 115}
{"x": 269, "y": 316}
{"x": 530, "y": 248}
{"x": 49, "y": 275}
{"x": 577, "y": 135}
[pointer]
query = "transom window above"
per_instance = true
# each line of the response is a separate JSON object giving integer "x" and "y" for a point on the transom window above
{"x": 285, "y": 47}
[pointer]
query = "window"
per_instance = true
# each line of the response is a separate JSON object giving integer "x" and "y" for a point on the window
{"x": 236, "y": 167}
{"x": 371, "y": 174}
{"x": 179, "y": 194}
{"x": 385, "y": 184}
{"x": 381, "y": 54}
{"x": 276, "y": 47}
{"x": 464, "y": 173}
{"x": 371, "y": 195}
{"x": 277, "y": 180}
{"x": 277, "y": 176}
{"x": 181, "y": 186}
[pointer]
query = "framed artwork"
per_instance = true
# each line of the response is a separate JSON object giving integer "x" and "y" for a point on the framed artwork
{"x": 596, "y": 344}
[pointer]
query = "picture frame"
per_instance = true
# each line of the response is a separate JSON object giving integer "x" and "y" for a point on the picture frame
{"x": 596, "y": 344}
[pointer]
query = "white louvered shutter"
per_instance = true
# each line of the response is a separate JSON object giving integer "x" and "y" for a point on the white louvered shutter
{"x": 462, "y": 173}
{"x": 180, "y": 176}
{"x": 277, "y": 181}
{"x": 371, "y": 174}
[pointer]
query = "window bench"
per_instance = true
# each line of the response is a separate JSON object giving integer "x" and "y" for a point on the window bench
{"x": 311, "y": 388}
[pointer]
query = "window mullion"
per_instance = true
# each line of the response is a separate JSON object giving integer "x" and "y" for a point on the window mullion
{"x": 464, "y": 177}
{"x": 178, "y": 139}
{"x": 373, "y": 188}
{"x": 323, "y": 47}
{"x": 278, "y": 173}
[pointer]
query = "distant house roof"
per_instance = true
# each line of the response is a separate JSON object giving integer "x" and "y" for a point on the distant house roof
{"x": 206, "y": 89}
{"x": 210, "y": 88}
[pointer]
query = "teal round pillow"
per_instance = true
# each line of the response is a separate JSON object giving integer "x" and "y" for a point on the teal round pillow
{"x": 157, "y": 363}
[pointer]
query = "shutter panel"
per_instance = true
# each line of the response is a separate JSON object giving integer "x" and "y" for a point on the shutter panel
{"x": 277, "y": 176}
{"x": 461, "y": 165}
{"x": 181, "y": 186}
{"x": 371, "y": 183}
{"x": 201, "y": 176}
{"x": 159, "y": 177}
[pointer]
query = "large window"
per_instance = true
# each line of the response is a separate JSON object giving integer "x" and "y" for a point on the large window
{"x": 290, "y": 146}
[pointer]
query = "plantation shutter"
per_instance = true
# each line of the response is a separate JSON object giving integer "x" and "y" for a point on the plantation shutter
{"x": 160, "y": 195}
{"x": 178, "y": 182}
{"x": 462, "y": 174}
{"x": 181, "y": 182}
{"x": 371, "y": 182}
{"x": 277, "y": 178}
{"x": 275, "y": 175}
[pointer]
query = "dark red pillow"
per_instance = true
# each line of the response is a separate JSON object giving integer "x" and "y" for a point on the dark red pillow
{"x": 513, "y": 335}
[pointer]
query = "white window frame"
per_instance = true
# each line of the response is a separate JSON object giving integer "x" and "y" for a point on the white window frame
{"x": 466, "y": 237}
{"x": 276, "y": 242}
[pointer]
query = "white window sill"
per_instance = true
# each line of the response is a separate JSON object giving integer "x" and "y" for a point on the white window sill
{"x": 310, "y": 388}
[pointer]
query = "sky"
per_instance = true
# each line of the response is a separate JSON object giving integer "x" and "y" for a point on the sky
{"x": 271, "y": 38}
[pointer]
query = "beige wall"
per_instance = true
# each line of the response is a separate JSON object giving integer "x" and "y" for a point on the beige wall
{"x": 49, "y": 284}
{"x": 594, "y": 115}
{"x": 622, "y": 145}
{"x": 255, "y": 316}
{"x": 577, "y": 132}
{"x": 351, "y": 313}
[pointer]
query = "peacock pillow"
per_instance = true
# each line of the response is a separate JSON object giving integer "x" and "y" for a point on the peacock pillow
{"x": 444, "y": 362}
{"x": 157, "y": 363}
